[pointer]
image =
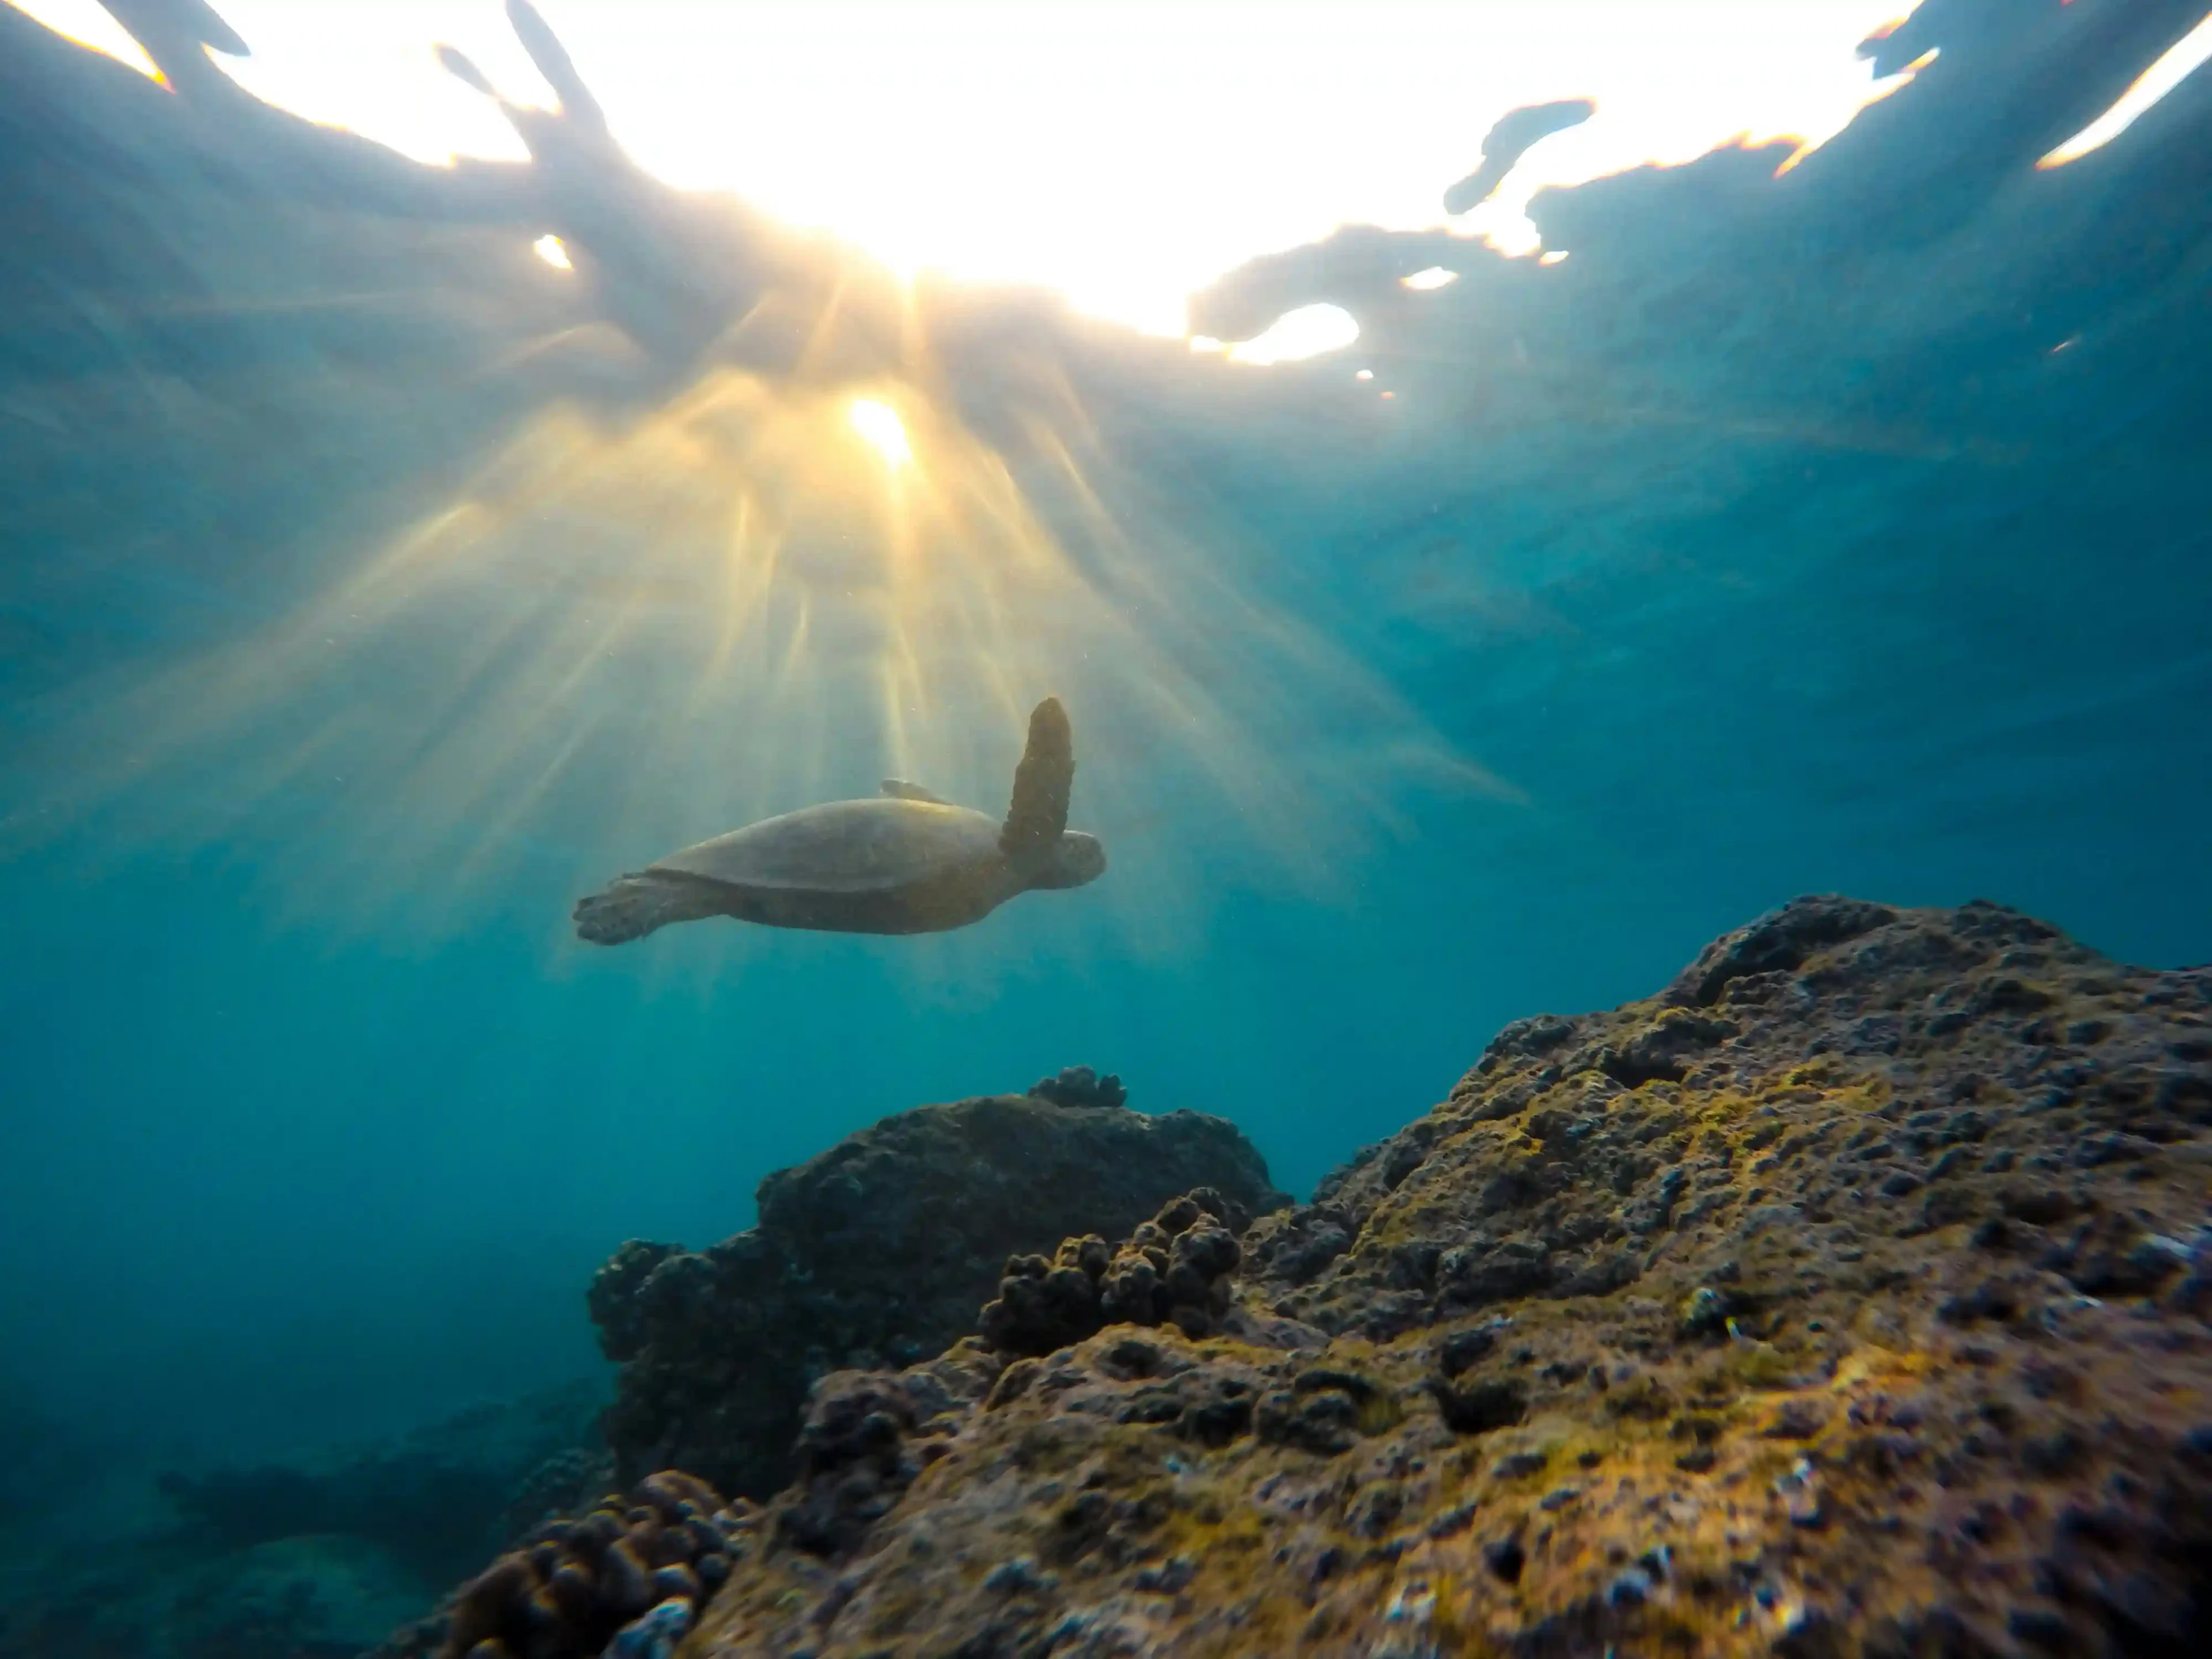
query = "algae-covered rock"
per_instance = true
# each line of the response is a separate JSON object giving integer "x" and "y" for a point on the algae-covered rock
{"x": 1849, "y": 1298}
{"x": 877, "y": 1252}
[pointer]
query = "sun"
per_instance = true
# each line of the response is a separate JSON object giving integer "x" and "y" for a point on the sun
{"x": 880, "y": 425}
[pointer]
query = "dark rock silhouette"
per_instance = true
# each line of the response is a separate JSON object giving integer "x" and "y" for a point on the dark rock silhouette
{"x": 878, "y": 1251}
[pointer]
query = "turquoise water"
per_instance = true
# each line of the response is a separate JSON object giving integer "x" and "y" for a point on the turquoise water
{"x": 363, "y": 607}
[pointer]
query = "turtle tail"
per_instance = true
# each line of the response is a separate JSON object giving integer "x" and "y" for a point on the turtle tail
{"x": 630, "y": 907}
{"x": 1038, "y": 816}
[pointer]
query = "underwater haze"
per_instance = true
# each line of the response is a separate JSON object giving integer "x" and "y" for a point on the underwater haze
{"x": 375, "y": 584}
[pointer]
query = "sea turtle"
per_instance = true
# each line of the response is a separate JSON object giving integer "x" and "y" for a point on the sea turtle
{"x": 905, "y": 862}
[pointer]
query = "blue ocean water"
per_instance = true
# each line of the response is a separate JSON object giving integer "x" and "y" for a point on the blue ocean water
{"x": 1842, "y": 531}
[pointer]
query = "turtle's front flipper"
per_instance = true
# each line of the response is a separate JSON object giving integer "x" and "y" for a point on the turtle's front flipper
{"x": 1038, "y": 817}
{"x": 630, "y": 907}
{"x": 900, "y": 789}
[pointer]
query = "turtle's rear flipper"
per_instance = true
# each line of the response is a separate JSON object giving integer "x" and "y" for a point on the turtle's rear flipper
{"x": 1038, "y": 817}
{"x": 630, "y": 907}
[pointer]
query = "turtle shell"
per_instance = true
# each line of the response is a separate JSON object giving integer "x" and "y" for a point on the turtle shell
{"x": 846, "y": 847}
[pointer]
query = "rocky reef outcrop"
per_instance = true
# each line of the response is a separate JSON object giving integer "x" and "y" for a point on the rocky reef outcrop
{"x": 877, "y": 1253}
{"x": 1849, "y": 1296}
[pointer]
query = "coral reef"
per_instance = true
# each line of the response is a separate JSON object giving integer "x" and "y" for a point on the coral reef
{"x": 1848, "y": 1298}
{"x": 877, "y": 1252}
{"x": 626, "y": 1579}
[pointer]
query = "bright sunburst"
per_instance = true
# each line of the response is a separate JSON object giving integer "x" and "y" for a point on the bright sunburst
{"x": 632, "y": 629}
{"x": 618, "y": 639}
{"x": 878, "y": 422}
{"x": 624, "y": 635}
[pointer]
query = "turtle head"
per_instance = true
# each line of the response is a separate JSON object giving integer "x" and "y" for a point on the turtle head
{"x": 1076, "y": 859}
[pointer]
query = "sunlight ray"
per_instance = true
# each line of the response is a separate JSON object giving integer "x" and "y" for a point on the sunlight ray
{"x": 619, "y": 636}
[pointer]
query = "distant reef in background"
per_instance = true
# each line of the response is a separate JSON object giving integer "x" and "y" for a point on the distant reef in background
{"x": 319, "y": 1556}
{"x": 1848, "y": 1297}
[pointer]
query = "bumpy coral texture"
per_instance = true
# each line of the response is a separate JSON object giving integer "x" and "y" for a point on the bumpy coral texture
{"x": 626, "y": 1578}
{"x": 1849, "y": 1298}
{"x": 1174, "y": 1269}
{"x": 877, "y": 1252}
